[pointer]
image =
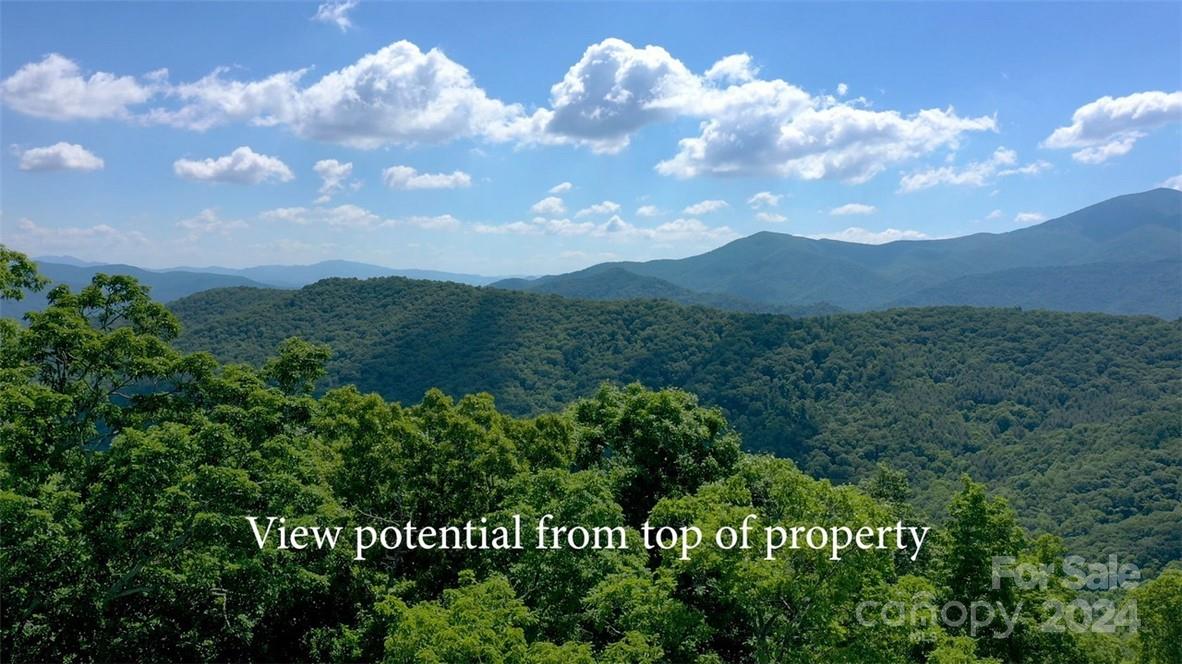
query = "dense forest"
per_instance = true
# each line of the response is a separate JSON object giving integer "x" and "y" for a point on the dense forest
{"x": 127, "y": 466}
{"x": 1073, "y": 417}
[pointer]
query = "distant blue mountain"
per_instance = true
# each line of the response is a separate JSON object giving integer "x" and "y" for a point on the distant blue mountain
{"x": 294, "y": 276}
{"x": 1123, "y": 252}
{"x": 168, "y": 284}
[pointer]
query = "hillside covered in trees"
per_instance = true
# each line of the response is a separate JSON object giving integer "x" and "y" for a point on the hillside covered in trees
{"x": 1073, "y": 417}
{"x": 126, "y": 468}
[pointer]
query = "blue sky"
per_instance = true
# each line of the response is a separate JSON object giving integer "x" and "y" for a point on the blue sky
{"x": 430, "y": 135}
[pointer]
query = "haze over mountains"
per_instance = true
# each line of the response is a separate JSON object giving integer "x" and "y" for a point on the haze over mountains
{"x": 1121, "y": 256}
{"x": 170, "y": 284}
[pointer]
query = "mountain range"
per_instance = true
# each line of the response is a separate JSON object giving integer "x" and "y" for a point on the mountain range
{"x": 168, "y": 284}
{"x": 1121, "y": 256}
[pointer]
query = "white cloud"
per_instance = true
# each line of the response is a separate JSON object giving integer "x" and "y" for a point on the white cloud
{"x": 207, "y": 221}
{"x": 687, "y": 230}
{"x": 336, "y": 13}
{"x": 770, "y": 217}
{"x": 549, "y": 205}
{"x": 678, "y": 230}
{"x": 349, "y": 216}
{"x": 775, "y": 129}
{"x": 1030, "y": 217}
{"x": 706, "y": 207}
{"x": 1172, "y": 183}
{"x": 55, "y": 88}
{"x": 405, "y": 177}
{"x": 294, "y": 215}
{"x": 1108, "y": 127}
{"x": 764, "y": 199}
{"x": 733, "y": 69}
{"x": 648, "y": 211}
{"x": 842, "y": 89}
{"x": 975, "y": 174}
{"x": 1100, "y": 153}
{"x": 995, "y": 215}
{"x": 341, "y": 216}
{"x": 604, "y": 208}
{"x": 333, "y": 175}
{"x": 864, "y": 236}
{"x": 441, "y": 222}
{"x": 561, "y": 188}
{"x": 60, "y": 157}
{"x": 212, "y": 101}
{"x": 401, "y": 95}
{"x": 853, "y": 208}
{"x": 242, "y": 166}
{"x": 35, "y": 239}
{"x": 613, "y": 90}
{"x": 397, "y": 95}
{"x": 750, "y": 126}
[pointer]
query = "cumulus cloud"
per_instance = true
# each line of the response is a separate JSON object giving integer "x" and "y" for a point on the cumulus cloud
{"x": 56, "y": 88}
{"x": 1030, "y": 217}
{"x": 706, "y": 207}
{"x": 648, "y": 211}
{"x": 1172, "y": 183}
{"x": 1100, "y": 153}
{"x": 764, "y": 199}
{"x": 406, "y": 177}
{"x": 340, "y": 216}
{"x": 770, "y": 217}
{"x": 397, "y": 95}
{"x": 207, "y": 222}
{"x": 749, "y": 126}
{"x": 1002, "y": 163}
{"x": 1109, "y": 126}
{"x": 775, "y": 129}
{"x": 242, "y": 166}
{"x": 35, "y": 239}
{"x": 59, "y": 157}
{"x": 355, "y": 217}
{"x": 842, "y": 89}
{"x": 678, "y": 230}
{"x": 864, "y": 236}
{"x": 995, "y": 215}
{"x": 333, "y": 176}
{"x": 604, "y": 208}
{"x": 853, "y": 208}
{"x": 733, "y": 69}
{"x": 552, "y": 205}
{"x": 615, "y": 89}
{"x": 440, "y": 222}
{"x": 336, "y": 13}
{"x": 213, "y": 101}
{"x": 402, "y": 95}
{"x": 561, "y": 188}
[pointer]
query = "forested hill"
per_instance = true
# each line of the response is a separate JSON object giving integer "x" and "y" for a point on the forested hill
{"x": 1073, "y": 416}
{"x": 1131, "y": 244}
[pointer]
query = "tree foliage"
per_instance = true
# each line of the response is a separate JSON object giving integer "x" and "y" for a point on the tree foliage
{"x": 126, "y": 468}
{"x": 1072, "y": 417}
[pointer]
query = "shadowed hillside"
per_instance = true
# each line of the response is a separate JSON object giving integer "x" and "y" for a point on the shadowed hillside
{"x": 1073, "y": 416}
